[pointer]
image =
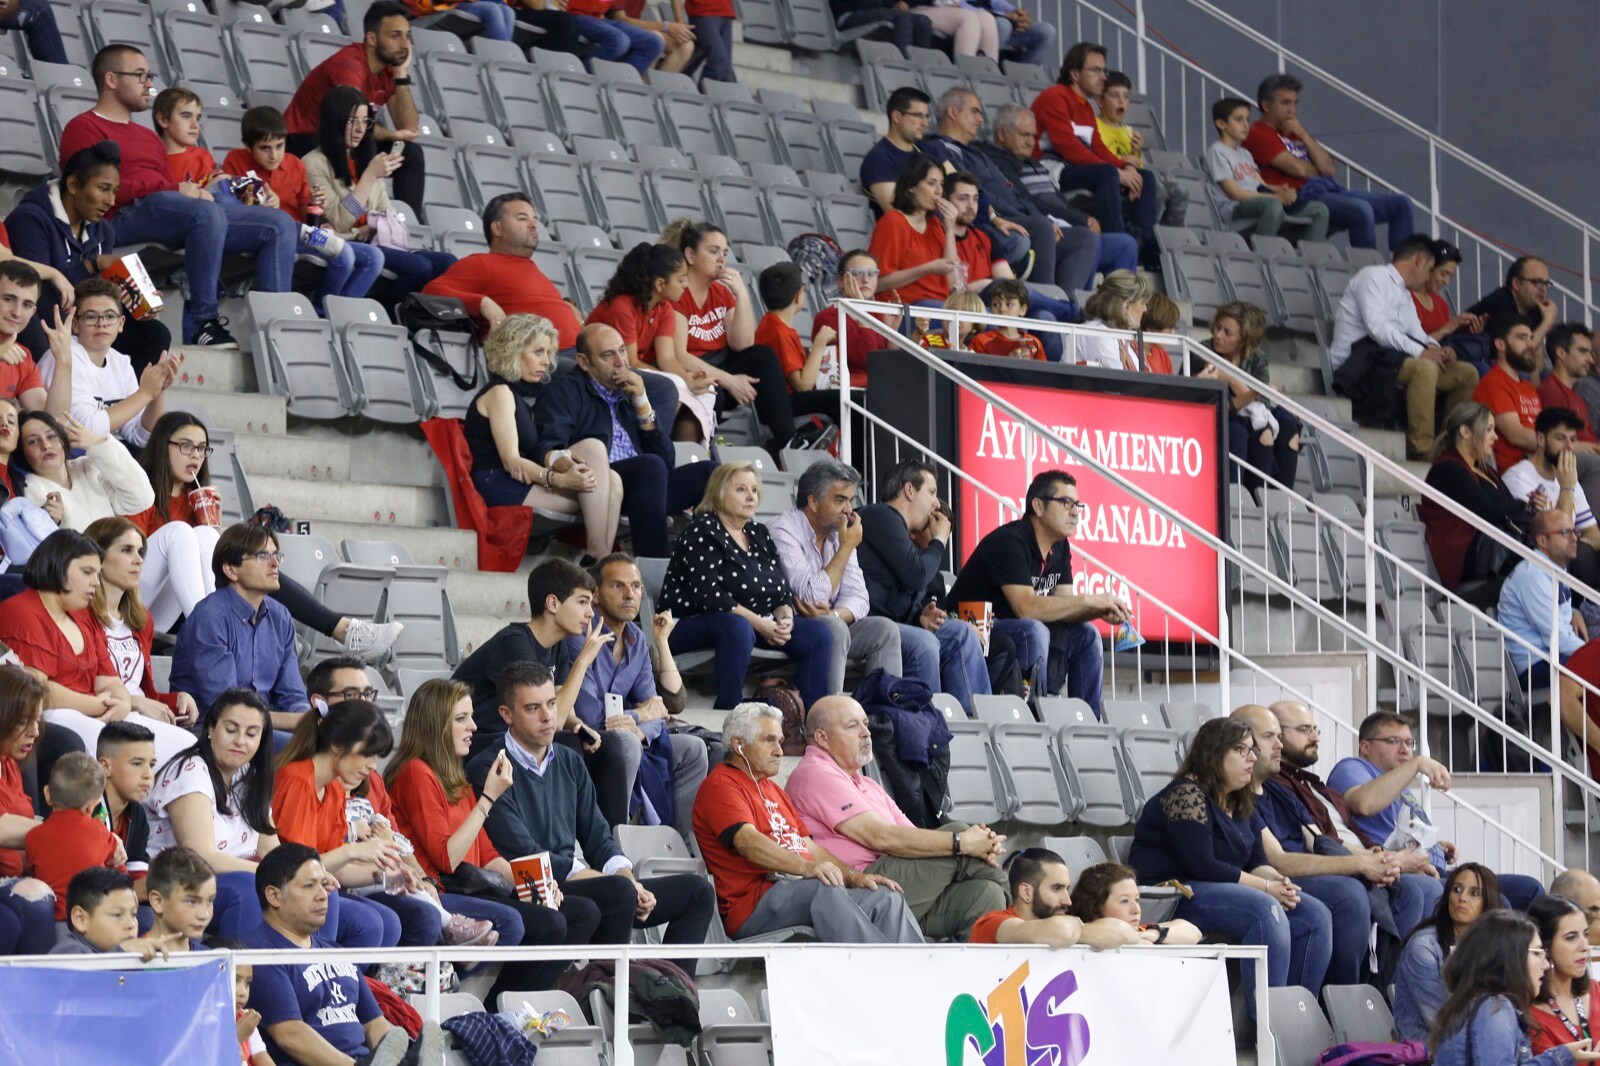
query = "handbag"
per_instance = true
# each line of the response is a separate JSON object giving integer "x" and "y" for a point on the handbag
{"x": 431, "y": 320}
{"x": 469, "y": 880}
{"x": 389, "y": 230}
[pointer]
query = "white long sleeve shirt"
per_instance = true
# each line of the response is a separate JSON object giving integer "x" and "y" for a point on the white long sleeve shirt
{"x": 1377, "y": 304}
{"x": 96, "y": 388}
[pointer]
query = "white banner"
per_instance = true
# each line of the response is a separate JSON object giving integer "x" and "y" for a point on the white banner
{"x": 997, "y": 1006}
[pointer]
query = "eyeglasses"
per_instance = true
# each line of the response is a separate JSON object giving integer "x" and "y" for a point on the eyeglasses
{"x": 266, "y": 558}
{"x": 1394, "y": 742}
{"x": 145, "y": 76}
{"x": 360, "y": 123}
{"x": 1072, "y": 506}
{"x": 1560, "y": 533}
{"x": 862, "y": 273}
{"x": 369, "y": 694}
{"x": 101, "y": 318}
{"x": 1247, "y": 752}
{"x": 1538, "y": 283}
{"x": 1540, "y": 954}
{"x": 190, "y": 450}
{"x": 1305, "y": 730}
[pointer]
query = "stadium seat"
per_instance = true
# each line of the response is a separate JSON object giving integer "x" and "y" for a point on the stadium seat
{"x": 1187, "y": 717}
{"x": 748, "y": 133}
{"x": 1407, "y": 542}
{"x": 592, "y": 269}
{"x": 457, "y": 230}
{"x": 1001, "y": 710}
{"x": 737, "y": 207}
{"x": 1342, "y": 545}
{"x": 1297, "y": 1025}
{"x": 883, "y": 70}
{"x": 558, "y": 189}
{"x": 1358, "y": 1012}
{"x": 1153, "y": 757}
{"x": 418, "y": 598}
{"x": 1195, "y": 270}
{"x": 1242, "y": 279}
{"x": 614, "y": 188}
{"x": 190, "y": 39}
{"x": 1096, "y": 775}
{"x": 1299, "y": 538}
{"x": 977, "y": 793}
{"x": 578, "y": 1044}
{"x": 1337, "y": 467}
{"x": 576, "y": 104}
{"x": 676, "y": 194}
{"x": 1032, "y": 776}
{"x": 939, "y": 73}
{"x": 730, "y": 1035}
{"x": 815, "y": 30}
{"x": 311, "y": 48}
{"x": 454, "y": 89}
{"x": 124, "y": 22}
{"x": 516, "y": 97}
{"x": 763, "y": 21}
{"x": 657, "y": 850}
{"x": 1294, "y": 292}
{"x": 1079, "y": 853}
{"x": 488, "y": 168}
{"x": 262, "y": 56}
{"x": 805, "y": 142}
{"x": 630, "y": 104}
{"x": 792, "y": 210}
{"x": 777, "y": 487}
{"x": 384, "y": 377}
{"x": 849, "y": 219}
{"x": 574, "y": 235}
{"x": 295, "y": 356}
{"x": 23, "y": 150}
{"x": 461, "y": 353}
{"x": 1321, "y": 252}
{"x": 1365, "y": 257}
{"x": 1132, "y": 714}
{"x": 443, "y": 186}
{"x": 350, "y": 590}
{"x": 1058, "y": 711}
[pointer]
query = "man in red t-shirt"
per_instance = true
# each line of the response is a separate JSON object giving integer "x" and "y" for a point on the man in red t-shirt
{"x": 379, "y": 65}
{"x": 1506, "y": 393}
{"x": 1038, "y": 912}
{"x": 768, "y": 871}
{"x": 1069, "y": 128}
{"x": 1571, "y": 348}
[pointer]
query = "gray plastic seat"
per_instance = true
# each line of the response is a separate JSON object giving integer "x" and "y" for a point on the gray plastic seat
{"x": 793, "y": 210}
{"x": 592, "y": 269}
{"x": 1033, "y": 778}
{"x": 1299, "y": 536}
{"x": 615, "y": 188}
{"x": 295, "y": 356}
{"x": 1294, "y": 291}
{"x": 633, "y": 112}
{"x": 1332, "y": 278}
{"x": 191, "y": 43}
{"x": 815, "y": 29}
{"x": 1153, "y": 757}
{"x": 124, "y": 22}
{"x": 690, "y": 121}
{"x": 516, "y": 96}
{"x": 448, "y": 397}
{"x": 730, "y": 1033}
{"x": 312, "y": 48}
{"x": 228, "y": 477}
{"x": 1001, "y": 710}
{"x": 383, "y": 374}
{"x": 352, "y": 590}
{"x": 1358, "y": 1012}
{"x": 1196, "y": 270}
{"x": 578, "y": 1044}
{"x": 1184, "y": 717}
{"x": 1058, "y": 711}
{"x": 23, "y": 150}
{"x": 852, "y": 139}
{"x": 748, "y": 133}
{"x": 59, "y": 104}
{"x": 1243, "y": 280}
{"x": 883, "y": 70}
{"x": 1297, "y": 1025}
{"x": 737, "y": 203}
{"x": 575, "y": 103}
{"x": 262, "y": 57}
{"x": 849, "y": 219}
{"x": 574, "y": 236}
{"x": 1344, "y": 547}
{"x": 1096, "y": 775}
{"x": 557, "y": 186}
{"x": 777, "y": 486}
{"x": 804, "y": 138}
{"x": 418, "y": 598}
{"x": 457, "y": 230}
{"x": 1079, "y": 853}
{"x": 676, "y": 194}
{"x": 454, "y": 89}
{"x": 443, "y": 183}
{"x": 490, "y": 170}
{"x": 1132, "y": 714}
{"x": 976, "y": 792}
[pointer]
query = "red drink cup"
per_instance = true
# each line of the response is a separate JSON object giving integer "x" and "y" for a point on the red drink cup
{"x": 206, "y": 502}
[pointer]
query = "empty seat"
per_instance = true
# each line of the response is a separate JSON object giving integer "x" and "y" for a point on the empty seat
{"x": 1294, "y": 291}
{"x": 1200, "y": 283}
{"x": 976, "y": 794}
{"x": 849, "y": 219}
{"x": 124, "y": 22}
{"x": 747, "y": 132}
{"x": 1033, "y": 777}
{"x": 575, "y": 104}
{"x": 351, "y": 590}
{"x": 191, "y": 41}
{"x": 1299, "y": 537}
{"x": 578, "y": 1044}
{"x": 615, "y": 190}
{"x": 227, "y": 475}
{"x": 1358, "y": 1012}
{"x": 312, "y": 48}
{"x": 262, "y": 57}
{"x": 737, "y": 206}
{"x": 1185, "y": 718}
{"x": 557, "y": 185}
{"x": 1001, "y": 710}
{"x": 883, "y": 70}
{"x": 1153, "y": 757}
{"x": 489, "y": 170}
{"x": 632, "y": 111}
{"x": 793, "y": 210}
{"x": 416, "y": 597}
{"x": 1297, "y": 1025}
{"x": 383, "y": 375}
{"x": 457, "y": 230}
{"x": 1058, "y": 711}
{"x": 593, "y": 268}
{"x": 730, "y": 1034}
{"x": 23, "y": 150}
{"x": 676, "y": 194}
{"x": 516, "y": 97}
{"x": 1243, "y": 280}
{"x": 1132, "y": 714}
{"x": 295, "y": 356}
{"x": 454, "y": 89}
{"x": 1096, "y": 775}
{"x": 1079, "y": 853}
{"x": 805, "y": 142}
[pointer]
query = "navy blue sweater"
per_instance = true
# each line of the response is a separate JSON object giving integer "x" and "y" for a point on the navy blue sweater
{"x": 1182, "y": 834}
{"x": 547, "y": 813}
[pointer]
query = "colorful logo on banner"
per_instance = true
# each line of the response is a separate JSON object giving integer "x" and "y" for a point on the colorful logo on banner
{"x": 1009, "y": 1029}
{"x": 1168, "y": 448}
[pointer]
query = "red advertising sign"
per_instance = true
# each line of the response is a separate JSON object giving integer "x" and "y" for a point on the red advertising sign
{"x": 1168, "y": 448}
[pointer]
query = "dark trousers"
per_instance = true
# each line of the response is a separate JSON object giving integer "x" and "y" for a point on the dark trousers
{"x": 412, "y": 268}
{"x": 772, "y": 390}
{"x": 1277, "y": 460}
{"x": 420, "y": 921}
{"x": 608, "y": 770}
{"x": 305, "y": 608}
{"x": 1101, "y": 179}
{"x": 407, "y": 184}
{"x": 683, "y": 904}
{"x": 713, "y": 35}
{"x": 141, "y": 340}
{"x": 559, "y": 28}
{"x": 650, "y": 491}
{"x": 37, "y": 21}
{"x": 907, "y": 27}
{"x": 733, "y": 639}
{"x": 528, "y": 925}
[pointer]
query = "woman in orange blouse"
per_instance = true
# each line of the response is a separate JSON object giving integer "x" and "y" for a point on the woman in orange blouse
{"x": 915, "y": 244}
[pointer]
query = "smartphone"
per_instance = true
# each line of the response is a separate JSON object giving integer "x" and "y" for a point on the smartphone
{"x": 397, "y": 147}
{"x": 614, "y": 704}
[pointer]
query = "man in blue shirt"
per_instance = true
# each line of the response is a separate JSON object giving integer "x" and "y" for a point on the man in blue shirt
{"x": 1530, "y": 599}
{"x": 239, "y": 635}
{"x": 322, "y": 1011}
{"x": 1375, "y": 784}
{"x": 671, "y": 765}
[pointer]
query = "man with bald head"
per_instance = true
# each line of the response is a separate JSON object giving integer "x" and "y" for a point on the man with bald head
{"x": 1582, "y": 888}
{"x": 605, "y": 399}
{"x": 951, "y": 875}
{"x": 1530, "y": 599}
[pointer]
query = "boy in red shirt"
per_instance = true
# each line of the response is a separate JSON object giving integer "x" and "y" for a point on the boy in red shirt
{"x": 1008, "y": 297}
{"x": 812, "y": 378}
{"x": 353, "y": 266}
{"x": 71, "y": 839}
{"x": 19, "y": 375}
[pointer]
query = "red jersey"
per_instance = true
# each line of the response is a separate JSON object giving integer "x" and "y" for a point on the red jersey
{"x": 1503, "y": 393}
{"x": 62, "y": 845}
{"x": 288, "y": 181}
{"x": 1069, "y": 127}
{"x": 729, "y": 799}
{"x": 1266, "y": 144}
{"x": 300, "y": 816}
{"x": 641, "y": 328}
{"x": 347, "y": 66}
{"x": 27, "y": 629}
{"x": 427, "y": 818}
{"x": 897, "y": 246}
{"x": 975, "y": 254}
{"x": 708, "y": 322}
{"x": 192, "y": 164}
{"x": 993, "y": 342}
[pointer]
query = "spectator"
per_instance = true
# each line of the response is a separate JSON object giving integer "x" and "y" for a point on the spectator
{"x": 183, "y": 894}
{"x": 915, "y": 242}
{"x": 1204, "y": 830}
{"x": 1358, "y": 886}
{"x": 1433, "y": 309}
{"x": 344, "y": 160}
{"x": 504, "y": 441}
{"x": 1505, "y": 391}
{"x": 1378, "y": 344}
{"x": 1582, "y": 888}
{"x": 1375, "y": 782}
{"x": 1291, "y": 157}
{"x": 71, "y": 838}
{"x": 975, "y": 30}
{"x": 726, "y": 583}
{"x": 1566, "y": 999}
{"x": 1021, "y": 39}
{"x": 1531, "y": 600}
{"x": 1235, "y": 172}
{"x": 816, "y": 542}
{"x": 1111, "y": 890}
{"x": 955, "y": 333}
{"x": 1580, "y": 710}
{"x": 378, "y": 68}
{"x": 907, "y": 28}
{"x": 1016, "y": 133}
{"x": 909, "y": 110}
{"x": 1571, "y": 348}
{"x": 437, "y": 809}
{"x": 27, "y": 905}
{"x": 1008, "y": 297}
{"x": 712, "y": 23}
{"x": 37, "y": 22}
{"x": 103, "y": 916}
{"x": 61, "y": 225}
{"x": 616, "y": 37}
{"x": 152, "y": 206}
{"x": 50, "y": 628}
{"x": 950, "y": 876}
{"x": 1118, "y": 303}
{"x": 550, "y": 808}
{"x": 1161, "y": 315}
{"x": 1024, "y": 568}
{"x": 673, "y": 764}
{"x": 107, "y": 397}
{"x": 1470, "y": 891}
{"x": 858, "y": 280}
{"x": 505, "y": 280}
{"x": 322, "y": 1011}
{"x": 104, "y": 481}
{"x": 904, "y": 537}
{"x": 1548, "y": 478}
{"x": 1493, "y": 978}
{"x": 1524, "y": 298}
{"x": 19, "y": 376}
{"x": 1127, "y": 143}
{"x": 604, "y": 399}
{"x": 124, "y": 626}
{"x": 1041, "y": 909}
{"x": 560, "y": 598}
{"x": 1070, "y": 131}
{"x": 812, "y": 379}
{"x": 769, "y": 872}
{"x": 353, "y": 266}
{"x": 1463, "y": 469}
{"x": 496, "y": 19}
{"x": 558, "y": 31}
{"x": 1265, "y": 437}
{"x": 126, "y": 752}
{"x": 239, "y": 635}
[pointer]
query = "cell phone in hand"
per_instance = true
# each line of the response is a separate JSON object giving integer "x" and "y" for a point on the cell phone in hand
{"x": 397, "y": 147}
{"x": 613, "y": 704}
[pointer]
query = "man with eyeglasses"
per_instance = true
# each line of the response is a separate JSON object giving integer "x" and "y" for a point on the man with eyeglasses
{"x": 1531, "y": 599}
{"x": 240, "y": 635}
{"x": 908, "y": 111}
{"x": 151, "y": 206}
{"x": 1024, "y": 569}
{"x": 1525, "y": 297}
{"x": 1376, "y": 785}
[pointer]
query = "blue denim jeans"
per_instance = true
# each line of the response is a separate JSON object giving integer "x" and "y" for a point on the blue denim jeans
{"x": 1350, "y": 911}
{"x": 1299, "y": 942}
{"x": 1032, "y": 45}
{"x": 412, "y": 269}
{"x": 354, "y": 923}
{"x": 1058, "y": 652}
{"x": 27, "y": 926}
{"x": 37, "y": 22}
{"x": 1359, "y": 212}
{"x": 1415, "y": 897}
{"x": 350, "y": 273}
{"x": 713, "y": 35}
{"x": 810, "y": 646}
{"x": 947, "y": 659}
{"x": 1102, "y": 180}
{"x": 1049, "y": 309}
{"x": 420, "y": 921}
{"x": 498, "y": 19}
{"x": 620, "y": 41}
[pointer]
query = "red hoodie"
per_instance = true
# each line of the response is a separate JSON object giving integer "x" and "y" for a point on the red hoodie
{"x": 1063, "y": 117}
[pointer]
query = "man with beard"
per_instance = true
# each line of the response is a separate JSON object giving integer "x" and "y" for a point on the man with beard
{"x": 1524, "y": 297}
{"x": 1551, "y": 471}
{"x": 1378, "y": 343}
{"x": 1506, "y": 392}
{"x": 1038, "y": 912}
{"x": 379, "y": 65}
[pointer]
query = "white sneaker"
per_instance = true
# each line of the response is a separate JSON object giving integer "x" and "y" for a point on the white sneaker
{"x": 322, "y": 240}
{"x": 371, "y": 640}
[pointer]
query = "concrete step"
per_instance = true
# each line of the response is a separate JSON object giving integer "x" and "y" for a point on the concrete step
{"x": 238, "y": 411}
{"x": 809, "y": 86}
{"x": 217, "y": 371}
{"x": 379, "y": 453}
{"x": 293, "y": 456}
{"x": 502, "y": 595}
{"x": 473, "y": 629}
{"x": 759, "y": 57}
{"x": 428, "y": 545}
{"x": 381, "y": 504}
{"x": 1388, "y": 486}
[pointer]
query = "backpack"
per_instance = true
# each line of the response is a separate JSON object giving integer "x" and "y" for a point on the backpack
{"x": 23, "y": 526}
{"x": 817, "y": 255}
{"x": 427, "y": 318}
{"x": 1368, "y": 1053}
{"x": 659, "y": 992}
{"x": 781, "y": 694}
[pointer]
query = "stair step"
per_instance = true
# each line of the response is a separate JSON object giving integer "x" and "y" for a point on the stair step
{"x": 503, "y": 595}
{"x": 805, "y": 85}
{"x": 761, "y": 57}
{"x": 238, "y": 411}
{"x": 445, "y": 546}
{"x": 217, "y": 371}
{"x": 293, "y": 456}
{"x": 377, "y": 452}
{"x": 381, "y": 504}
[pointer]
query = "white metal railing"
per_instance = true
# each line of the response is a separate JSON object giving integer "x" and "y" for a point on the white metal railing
{"x": 1180, "y": 93}
{"x": 1435, "y": 690}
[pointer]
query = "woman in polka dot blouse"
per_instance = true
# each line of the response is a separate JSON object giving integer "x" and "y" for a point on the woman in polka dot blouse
{"x": 725, "y": 584}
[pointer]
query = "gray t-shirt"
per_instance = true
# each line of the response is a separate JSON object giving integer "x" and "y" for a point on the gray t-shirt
{"x": 1225, "y": 162}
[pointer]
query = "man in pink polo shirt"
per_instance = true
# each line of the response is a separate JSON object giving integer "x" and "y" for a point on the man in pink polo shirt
{"x": 951, "y": 875}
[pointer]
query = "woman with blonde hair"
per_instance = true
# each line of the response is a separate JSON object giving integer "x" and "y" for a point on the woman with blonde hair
{"x": 1267, "y": 437}
{"x": 436, "y": 809}
{"x": 503, "y": 439}
{"x": 727, "y": 587}
{"x": 1119, "y": 303}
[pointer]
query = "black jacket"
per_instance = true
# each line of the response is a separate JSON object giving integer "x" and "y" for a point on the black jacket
{"x": 39, "y": 231}
{"x": 569, "y": 410}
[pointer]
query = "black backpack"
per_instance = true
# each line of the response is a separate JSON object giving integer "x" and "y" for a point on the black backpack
{"x": 429, "y": 319}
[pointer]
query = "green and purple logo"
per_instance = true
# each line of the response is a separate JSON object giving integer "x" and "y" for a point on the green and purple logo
{"x": 1009, "y": 1029}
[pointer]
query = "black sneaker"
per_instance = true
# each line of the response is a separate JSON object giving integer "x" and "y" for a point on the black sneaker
{"x": 213, "y": 333}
